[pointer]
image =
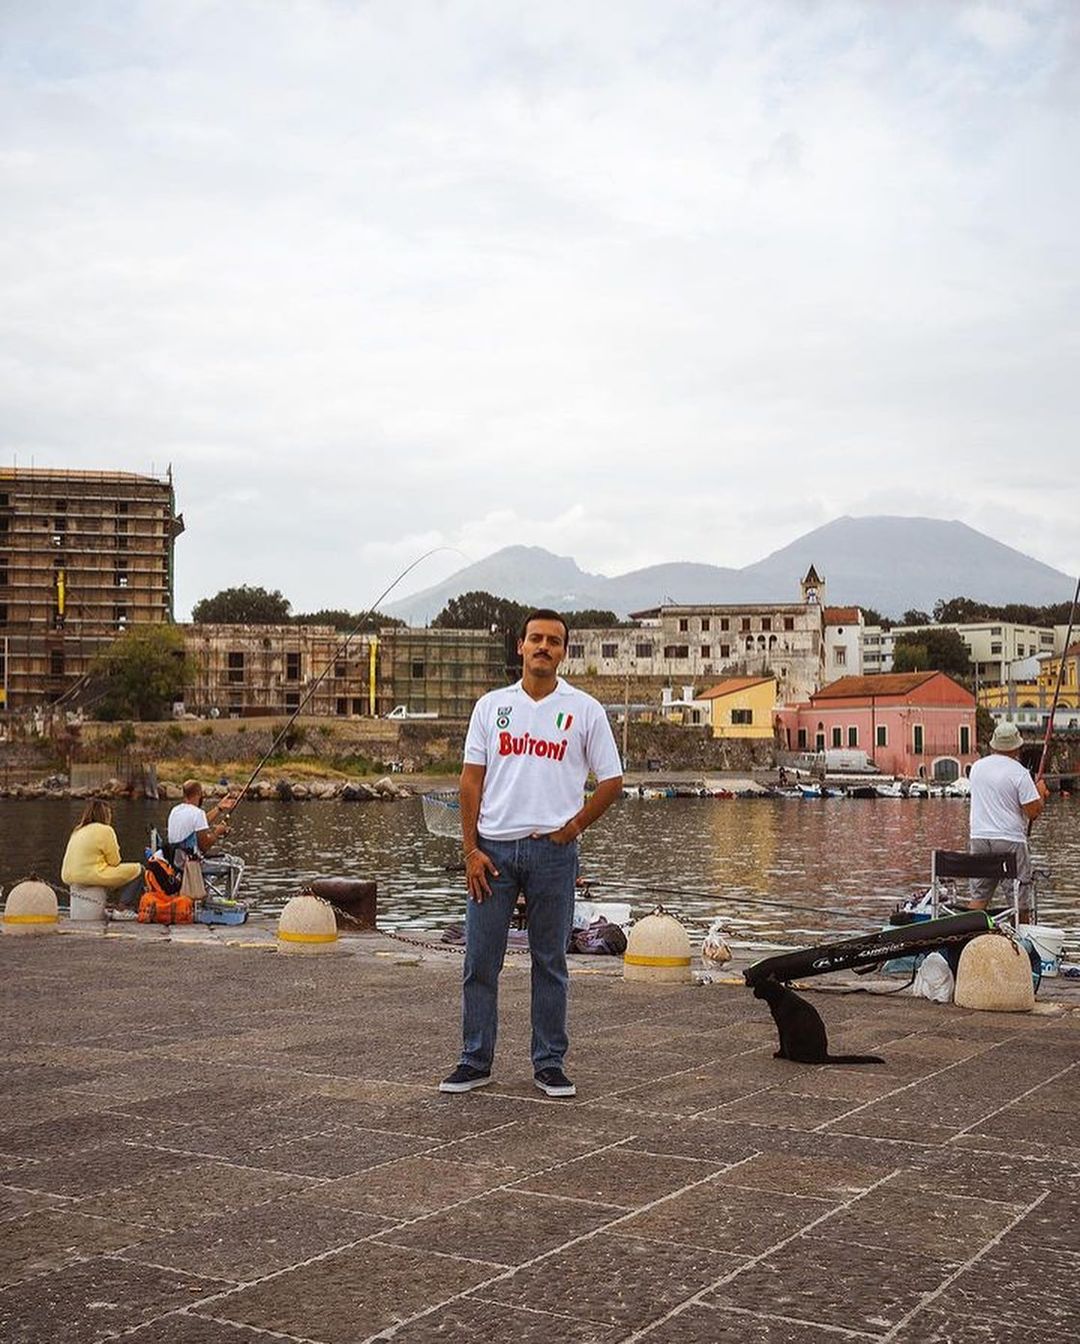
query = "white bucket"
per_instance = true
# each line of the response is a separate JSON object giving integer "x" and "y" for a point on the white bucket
{"x": 88, "y": 903}
{"x": 1048, "y": 942}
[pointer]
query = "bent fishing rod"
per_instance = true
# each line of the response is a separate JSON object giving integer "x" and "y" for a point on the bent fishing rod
{"x": 1044, "y": 759}
{"x": 339, "y": 651}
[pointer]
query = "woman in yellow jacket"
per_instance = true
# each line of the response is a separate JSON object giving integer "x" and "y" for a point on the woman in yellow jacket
{"x": 92, "y": 857}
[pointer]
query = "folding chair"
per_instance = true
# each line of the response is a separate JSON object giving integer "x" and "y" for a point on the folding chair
{"x": 959, "y": 864}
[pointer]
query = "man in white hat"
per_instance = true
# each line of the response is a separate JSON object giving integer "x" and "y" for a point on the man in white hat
{"x": 1004, "y": 799}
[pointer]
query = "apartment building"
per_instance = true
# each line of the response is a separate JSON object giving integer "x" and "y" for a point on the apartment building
{"x": 83, "y": 556}
{"x": 992, "y": 645}
{"x": 703, "y": 643}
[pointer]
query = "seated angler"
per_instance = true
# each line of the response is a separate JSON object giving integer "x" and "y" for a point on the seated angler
{"x": 193, "y": 830}
{"x": 92, "y": 859}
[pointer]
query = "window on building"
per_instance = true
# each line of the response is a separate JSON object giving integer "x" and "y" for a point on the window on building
{"x": 725, "y": 624}
{"x": 292, "y": 667}
{"x": 706, "y": 650}
{"x": 120, "y": 615}
{"x": 684, "y": 625}
{"x": 234, "y": 662}
{"x": 749, "y": 643}
{"x": 917, "y": 739}
{"x": 742, "y": 716}
{"x": 59, "y": 524}
{"x": 340, "y": 669}
{"x": 5, "y": 522}
{"x": 342, "y": 705}
{"x": 56, "y": 662}
{"x": 643, "y": 650}
{"x": 965, "y": 739}
{"x": 837, "y": 737}
{"x": 357, "y": 704}
{"x": 840, "y": 655}
{"x": 704, "y": 625}
{"x": 3, "y": 576}
{"x": 744, "y": 624}
{"x": 121, "y": 543}
{"x": 416, "y": 669}
{"x": 852, "y": 736}
{"x": 995, "y": 648}
{"x": 609, "y": 650}
{"x": 800, "y": 740}
{"x": 676, "y": 650}
{"x": 725, "y": 650}
{"x": 995, "y": 629}
{"x": 121, "y": 579}
{"x": 576, "y": 651}
{"x": 819, "y": 742}
{"x": 881, "y": 735}
{"x": 121, "y": 525}
{"x": 3, "y": 613}
{"x": 789, "y": 622}
{"x": 292, "y": 699}
{"x": 766, "y": 622}
{"x": 122, "y": 506}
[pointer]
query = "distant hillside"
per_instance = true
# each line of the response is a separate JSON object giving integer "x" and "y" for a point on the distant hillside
{"x": 892, "y": 564}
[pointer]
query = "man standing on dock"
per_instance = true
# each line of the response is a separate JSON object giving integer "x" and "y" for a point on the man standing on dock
{"x": 1004, "y": 800}
{"x": 528, "y": 753}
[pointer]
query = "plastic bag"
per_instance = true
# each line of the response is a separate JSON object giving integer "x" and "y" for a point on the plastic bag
{"x": 934, "y": 980}
{"x": 714, "y": 948}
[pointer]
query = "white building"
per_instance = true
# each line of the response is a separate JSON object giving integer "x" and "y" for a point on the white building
{"x": 992, "y": 645}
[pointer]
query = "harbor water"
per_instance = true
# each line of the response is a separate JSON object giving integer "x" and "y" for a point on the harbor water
{"x": 855, "y": 857}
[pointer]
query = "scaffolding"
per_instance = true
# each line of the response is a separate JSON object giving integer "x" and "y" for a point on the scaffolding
{"x": 84, "y": 555}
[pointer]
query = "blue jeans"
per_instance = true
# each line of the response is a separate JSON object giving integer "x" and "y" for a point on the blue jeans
{"x": 545, "y": 872}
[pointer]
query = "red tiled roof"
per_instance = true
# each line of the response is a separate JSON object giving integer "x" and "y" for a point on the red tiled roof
{"x": 882, "y": 683}
{"x": 841, "y": 615}
{"x": 732, "y": 685}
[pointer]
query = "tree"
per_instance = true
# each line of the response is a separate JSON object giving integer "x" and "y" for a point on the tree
{"x": 481, "y": 611}
{"x": 932, "y": 650}
{"x": 592, "y": 619}
{"x": 346, "y": 621}
{"x": 143, "y": 672}
{"x": 242, "y": 606}
{"x": 873, "y": 617}
{"x": 915, "y": 617}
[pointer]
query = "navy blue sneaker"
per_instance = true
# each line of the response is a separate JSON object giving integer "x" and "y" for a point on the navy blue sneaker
{"x": 465, "y": 1078}
{"x": 554, "y": 1083}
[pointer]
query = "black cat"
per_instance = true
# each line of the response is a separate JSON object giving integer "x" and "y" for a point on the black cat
{"x": 801, "y": 1030}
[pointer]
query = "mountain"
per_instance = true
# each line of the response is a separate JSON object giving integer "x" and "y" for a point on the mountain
{"x": 889, "y": 563}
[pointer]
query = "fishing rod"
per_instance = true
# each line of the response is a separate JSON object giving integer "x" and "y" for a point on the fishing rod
{"x": 338, "y": 652}
{"x": 1044, "y": 758}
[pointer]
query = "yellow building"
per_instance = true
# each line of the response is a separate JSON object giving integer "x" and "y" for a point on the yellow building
{"x": 742, "y": 707}
{"x": 1038, "y": 694}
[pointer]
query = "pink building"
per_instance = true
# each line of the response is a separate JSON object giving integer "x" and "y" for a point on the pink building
{"x": 919, "y": 725}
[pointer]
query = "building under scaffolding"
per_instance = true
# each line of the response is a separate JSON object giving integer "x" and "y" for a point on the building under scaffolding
{"x": 246, "y": 670}
{"x": 83, "y": 556}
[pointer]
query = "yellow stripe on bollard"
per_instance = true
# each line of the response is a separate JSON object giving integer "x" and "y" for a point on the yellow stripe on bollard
{"x": 633, "y": 959}
{"x": 31, "y": 919}
{"x": 307, "y": 937}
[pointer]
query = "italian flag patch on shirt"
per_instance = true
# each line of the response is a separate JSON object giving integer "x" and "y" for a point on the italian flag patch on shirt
{"x": 563, "y": 721}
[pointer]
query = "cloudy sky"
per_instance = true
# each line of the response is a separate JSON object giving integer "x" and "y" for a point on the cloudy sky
{"x": 634, "y": 280}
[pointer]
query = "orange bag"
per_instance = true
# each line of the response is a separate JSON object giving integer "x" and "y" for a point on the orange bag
{"x": 157, "y": 908}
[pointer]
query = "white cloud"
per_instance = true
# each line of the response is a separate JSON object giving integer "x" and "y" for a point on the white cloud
{"x": 632, "y": 282}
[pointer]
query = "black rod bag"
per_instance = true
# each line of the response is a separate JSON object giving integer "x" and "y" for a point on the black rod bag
{"x": 905, "y": 941}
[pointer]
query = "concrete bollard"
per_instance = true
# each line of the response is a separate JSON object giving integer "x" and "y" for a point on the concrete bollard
{"x": 658, "y": 950}
{"x": 87, "y": 903}
{"x": 307, "y": 924}
{"x": 995, "y": 975}
{"x": 31, "y": 909}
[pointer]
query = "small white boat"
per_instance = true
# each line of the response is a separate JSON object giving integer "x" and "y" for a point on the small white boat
{"x": 892, "y": 790}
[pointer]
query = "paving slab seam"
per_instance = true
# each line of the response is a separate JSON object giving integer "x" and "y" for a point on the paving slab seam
{"x": 186, "y": 1313}
{"x": 990, "y": 1114}
{"x": 478, "y": 1288}
{"x": 842, "y": 1331}
{"x": 695, "y": 1299}
{"x": 935, "y": 1293}
{"x": 378, "y": 1232}
{"x": 824, "y": 1127}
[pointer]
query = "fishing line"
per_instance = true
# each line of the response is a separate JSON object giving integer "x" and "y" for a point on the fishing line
{"x": 652, "y": 889}
{"x": 338, "y": 652}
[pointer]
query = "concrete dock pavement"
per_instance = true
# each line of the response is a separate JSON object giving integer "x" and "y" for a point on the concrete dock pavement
{"x": 203, "y": 1142}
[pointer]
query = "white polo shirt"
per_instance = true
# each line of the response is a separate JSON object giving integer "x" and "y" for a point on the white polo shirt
{"x": 186, "y": 820}
{"x": 1000, "y": 786}
{"x": 537, "y": 755}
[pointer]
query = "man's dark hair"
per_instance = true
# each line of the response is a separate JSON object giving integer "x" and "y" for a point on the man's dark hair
{"x": 544, "y": 614}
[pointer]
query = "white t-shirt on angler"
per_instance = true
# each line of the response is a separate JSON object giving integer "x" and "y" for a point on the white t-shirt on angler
{"x": 184, "y": 821}
{"x": 537, "y": 755}
{"x": 1000, "y": 786}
